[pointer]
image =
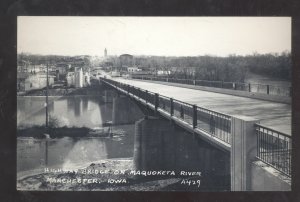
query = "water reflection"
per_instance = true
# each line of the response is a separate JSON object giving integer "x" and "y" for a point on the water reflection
{"x": 86, "y": 150}
{"x": 77, "y": 107}
{"x": 68, "y": 152}
{"x": 79, "y": 111}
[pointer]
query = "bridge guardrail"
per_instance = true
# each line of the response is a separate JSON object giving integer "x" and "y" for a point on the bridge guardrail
{"x": 215, "y": 123}
{"x": 250, "y": 87}
{"x": 274, "y": 148}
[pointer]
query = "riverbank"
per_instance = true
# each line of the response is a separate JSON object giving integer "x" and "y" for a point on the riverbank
{"x": 91, "y": 90}
{"x": 40, "y": 131}
{"x": 60, "y": 132}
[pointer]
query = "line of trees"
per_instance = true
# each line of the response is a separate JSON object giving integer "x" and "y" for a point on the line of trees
{"x": 231, "y": 68}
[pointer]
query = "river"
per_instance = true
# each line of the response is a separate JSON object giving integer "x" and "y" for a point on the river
{"x": 70, "y": 111}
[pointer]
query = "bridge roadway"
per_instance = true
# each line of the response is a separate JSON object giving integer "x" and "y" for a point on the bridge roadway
{"x": 270, "y": 114}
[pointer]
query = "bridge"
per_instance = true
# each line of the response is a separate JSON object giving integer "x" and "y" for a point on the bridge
{"x": 255, "y": 133}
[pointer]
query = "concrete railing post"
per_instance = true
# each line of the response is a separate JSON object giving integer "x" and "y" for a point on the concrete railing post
{"x": 243, "y": 152}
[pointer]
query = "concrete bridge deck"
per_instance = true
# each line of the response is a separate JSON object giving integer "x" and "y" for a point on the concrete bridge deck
{"x": 271, "y": 114}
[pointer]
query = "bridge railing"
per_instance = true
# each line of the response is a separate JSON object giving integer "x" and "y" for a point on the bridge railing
{"x": 250, "y": 87}
{"x": 214, "y": 123}
{"x": 164, "y": 103}
{"x": 274, "y": 148}
{"x": 183, "y": 111}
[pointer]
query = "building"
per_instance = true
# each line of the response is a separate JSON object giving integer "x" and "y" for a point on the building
{"x": 126, "y": 60}
{"x": 30, "y": 68}
{"x": 70, "y": 79}
{"x": 33, "y": 81}
{"x": 105, "y": 53}
{"x": 61, "y": 70}
{"x": 133, "y": 69}
{"x": 163, "y": 72}
{"x": 86, "y": 81}
{"x": 78, "y": 78}
{"x": 115, "y": 74}
{"x": 21, "y": 77}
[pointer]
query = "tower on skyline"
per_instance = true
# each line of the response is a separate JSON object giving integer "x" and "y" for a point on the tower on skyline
{"x": 105, "y": 52}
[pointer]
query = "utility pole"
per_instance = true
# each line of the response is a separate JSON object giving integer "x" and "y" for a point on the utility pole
{"x": 47, "y": 100}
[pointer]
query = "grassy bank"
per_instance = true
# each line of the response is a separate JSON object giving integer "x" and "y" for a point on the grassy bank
{"x": 91, "y": 90}
{"x": 60, "y": 132}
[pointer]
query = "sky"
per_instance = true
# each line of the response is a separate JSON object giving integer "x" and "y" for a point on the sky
{"x": 162, "y": 36}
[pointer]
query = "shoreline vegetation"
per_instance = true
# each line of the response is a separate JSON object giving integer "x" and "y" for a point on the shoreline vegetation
{"x": 40, "y": 131}
{"x": 67, "y": 91}
{"x": 54, "y": 131}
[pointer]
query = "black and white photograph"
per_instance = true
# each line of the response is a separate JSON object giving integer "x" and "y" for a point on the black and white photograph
{"x": 195, "y": 104}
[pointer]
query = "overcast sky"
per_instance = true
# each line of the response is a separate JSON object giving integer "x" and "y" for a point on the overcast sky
{"x": 170, "y": 36}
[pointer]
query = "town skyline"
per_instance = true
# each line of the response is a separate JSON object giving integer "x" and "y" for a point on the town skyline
{"x": 154, "y": 36}
{"x": 170, "y": 56}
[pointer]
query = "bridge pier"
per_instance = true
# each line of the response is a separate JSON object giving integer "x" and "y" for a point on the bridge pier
{"x": 161, "y": 145}
{"x": 109, "y": 95}
{"x": 125, "y": 111}
{"x": 152, "y": 145}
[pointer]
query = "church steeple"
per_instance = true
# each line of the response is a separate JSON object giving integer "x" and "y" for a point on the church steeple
{"x": 105, "y": 52}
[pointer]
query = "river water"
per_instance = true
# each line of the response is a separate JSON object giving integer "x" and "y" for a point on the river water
{"x": 71, "y": 111}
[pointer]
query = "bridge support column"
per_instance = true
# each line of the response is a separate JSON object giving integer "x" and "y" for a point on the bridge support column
{"x": 108, "y": 96}
{"x": 243, "y": 152}
{"x": 154, "y": 146}
{"x": 125, "y": 111}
